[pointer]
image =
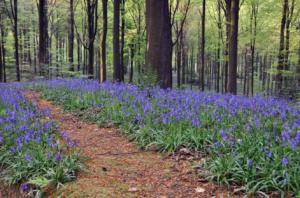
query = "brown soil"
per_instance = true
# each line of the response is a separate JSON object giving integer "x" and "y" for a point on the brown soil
{"x": 113, "y": 174}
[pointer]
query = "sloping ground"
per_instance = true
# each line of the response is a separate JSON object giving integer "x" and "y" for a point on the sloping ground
{"x": 117, "y": 167}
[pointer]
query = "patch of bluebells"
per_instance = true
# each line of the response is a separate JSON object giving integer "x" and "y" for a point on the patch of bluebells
{"x": 247, "y": 136}
{"x": 27, "y": 140}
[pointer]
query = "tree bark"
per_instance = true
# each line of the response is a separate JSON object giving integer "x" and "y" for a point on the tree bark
{"x": 16, "y": 38}
{"x": 92, "y": 30}
{"x": 159, "y": 44}
{"x": 122, "y": 40}
{"x": 103, "y": 42}
{"x": 42, "y": 51}
{"x": 71, "y": 37}
{"x": 219, "y": 47}
{"x": 245, "y": 75}
{"x": 281, "y": 46}
{"x": 203, "y": 48}
{"x": 1, "y": 67}
{"x": 179, "y": 43}
{"x": 287, "y": 42}
{"x": 233, "y": 47}
{"x": 116, "y": 42}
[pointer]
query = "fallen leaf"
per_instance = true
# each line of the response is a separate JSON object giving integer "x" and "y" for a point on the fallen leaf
{"x": 185, "y": 150}
{"x": 199, "y": 190}
{"x": 132, "y": 190}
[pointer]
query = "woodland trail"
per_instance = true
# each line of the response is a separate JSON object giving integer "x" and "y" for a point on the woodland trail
{"x": 152, "y": 174}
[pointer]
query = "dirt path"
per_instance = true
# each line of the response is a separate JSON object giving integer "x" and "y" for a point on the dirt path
{"x": 152, "y": 174}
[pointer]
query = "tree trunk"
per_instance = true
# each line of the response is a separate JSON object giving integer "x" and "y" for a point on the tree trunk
{"x": 71, "y": 37}
{"x": 287, "y": 42}
{"x": 1, "y": 67}
{"x": 203, "y": 47}
{"x": 192, "y": 63}
{"x": 92, "y": 29}
{"x": 103, "y": 42}
{"x": 158, "y": 55}
{"x": 219, "y": 47}
{"x": 183, "y": 64}
{"x": 179, "y": 43}
{"x": 281, "y": 46}
{"x": 131, "y": 63}
{"x": 245, "y": 75}
{"x": 122, "y": 40}
{"x": 233, "y": 47}
{"x": 16, "y": 38}
{"x": 42, "y": 51}
{"x": 116, "y": 42}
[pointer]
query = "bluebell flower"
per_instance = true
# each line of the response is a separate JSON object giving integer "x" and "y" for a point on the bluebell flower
{"x": 27, "y": 158}
{"x": 24, "y": 187}
{"x": 58, "y": 157}
{"x": 285, "y": 161}
{"x": 49, "y": 155}
{"x": 249, "y": 162}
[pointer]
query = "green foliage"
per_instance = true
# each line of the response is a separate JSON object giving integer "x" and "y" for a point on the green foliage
{"x": 149, "y": 78}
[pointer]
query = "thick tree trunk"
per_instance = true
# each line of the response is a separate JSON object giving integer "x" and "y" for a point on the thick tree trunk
{"x": 71, "y": 37}
{"x": 281, "y": 46}
{"x": 158, "y": 55}
{"x": 116, "y": 42}
{"x": 203, "y": 47}
{"x": 233, "y": 47}
{"x": 103, "y": 42}
{"x": 287, "y": 42}
{"x": 92, "y": 28}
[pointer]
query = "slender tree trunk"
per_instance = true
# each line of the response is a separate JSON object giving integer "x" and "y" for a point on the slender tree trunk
{"x": 122, "y": 40}
{"x": 103, "y": 42}
{"x": 71, "y": 37}
{"x": 192, "y": 63}
{"x": 16, "y": 38}
{"x": 79, "y": 54}
{"x": 219, "y": 47}
{"x": 42, "y": 52}
{"x": 233, "y": 47}
{"x": 245, "y": 75}
{"x": 281, "y": 47}
{"x": 183, "y": 64}
{"x": 57, "y": 53}
{"x": 131, "y": 63}
{"x": 203, "y": 47}
{"x": 116, "y": 42}
{"x": 1, "y": 67}
{"x": 179, "y": 43}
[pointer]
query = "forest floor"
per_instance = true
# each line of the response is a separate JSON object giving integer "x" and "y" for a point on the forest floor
{"x": 117, "y": 168}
